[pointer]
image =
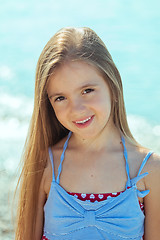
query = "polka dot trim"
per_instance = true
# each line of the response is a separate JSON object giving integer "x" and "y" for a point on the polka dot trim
{"x": 94, "y": 197}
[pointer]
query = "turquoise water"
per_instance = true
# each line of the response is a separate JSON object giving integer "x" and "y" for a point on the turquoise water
{"x": 130, "y": 32}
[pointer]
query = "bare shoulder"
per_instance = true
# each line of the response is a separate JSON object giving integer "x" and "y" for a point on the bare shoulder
{"x": 152, "y": 166}
{"x": 136, "y": 155}
{"x": 153, "y": 169}
{"x": 153, "y": 162}
{"x": 151, "y": 201}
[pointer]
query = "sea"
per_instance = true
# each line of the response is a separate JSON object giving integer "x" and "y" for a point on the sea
{"x": 129, "y": 28}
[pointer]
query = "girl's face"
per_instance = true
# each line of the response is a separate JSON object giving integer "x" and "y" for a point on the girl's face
{"x": 80, "y": 98}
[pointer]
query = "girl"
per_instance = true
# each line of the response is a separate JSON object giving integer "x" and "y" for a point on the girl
{"x": 84, "y": 175}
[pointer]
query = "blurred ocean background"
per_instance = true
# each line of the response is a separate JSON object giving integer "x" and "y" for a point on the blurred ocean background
{"x": 130, "y": 30}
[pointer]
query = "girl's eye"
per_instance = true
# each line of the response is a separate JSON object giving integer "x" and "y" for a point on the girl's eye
{"x": 88, "y": 90}
{"x": 59, "y": 99}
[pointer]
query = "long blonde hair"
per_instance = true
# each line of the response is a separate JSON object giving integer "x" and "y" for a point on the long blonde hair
{"x": 68, "y": 44}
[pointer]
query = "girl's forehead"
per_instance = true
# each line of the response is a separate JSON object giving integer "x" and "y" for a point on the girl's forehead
{"x": 76, "y": 66}
{"x": 76, "y": 71}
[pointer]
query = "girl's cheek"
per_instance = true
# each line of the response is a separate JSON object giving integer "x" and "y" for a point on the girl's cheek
{"x": 60, "y": 112}
{"x": 98, "y": 101}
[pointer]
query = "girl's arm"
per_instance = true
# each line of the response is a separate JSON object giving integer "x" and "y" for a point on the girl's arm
{"x": 40, "y": 216}
{"x": 152, "y": 200}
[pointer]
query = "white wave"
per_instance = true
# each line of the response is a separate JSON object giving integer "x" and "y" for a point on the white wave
{"x": 145, "y": 133}
{"x": 6, "y": 73}
{"x": 156, "y": 130}
{"x": 15, "y": 114}
{"x": 15, "y": 107}
{"x": 12, "y": 129}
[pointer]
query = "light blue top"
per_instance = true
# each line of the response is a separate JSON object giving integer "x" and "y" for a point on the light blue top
{"x": 69, "y": 218}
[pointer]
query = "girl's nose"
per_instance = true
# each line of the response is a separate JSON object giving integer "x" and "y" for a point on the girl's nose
{"x": 77, "y": 106}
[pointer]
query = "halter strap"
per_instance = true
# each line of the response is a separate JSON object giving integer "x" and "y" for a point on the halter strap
{"x": 62, "y": 156}
{"x": 131, "y": 182}
{"x": 144, "y": 162}
{"x": 127, "y": 165}
{"x": 51, "y": 159}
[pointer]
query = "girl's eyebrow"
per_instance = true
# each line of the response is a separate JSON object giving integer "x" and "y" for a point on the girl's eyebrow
{"x": 79, "y": 88}
{"x": 55, "y": 94}
{"x": 88, "y": 85}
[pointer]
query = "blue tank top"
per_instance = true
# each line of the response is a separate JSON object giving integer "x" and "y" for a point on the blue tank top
{"x": 69, "y": 218}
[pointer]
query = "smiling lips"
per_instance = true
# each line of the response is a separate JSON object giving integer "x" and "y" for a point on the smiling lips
{"x": 84, "y": 123}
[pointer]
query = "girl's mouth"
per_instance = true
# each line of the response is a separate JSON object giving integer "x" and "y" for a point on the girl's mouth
{"x": 84, "y": 123}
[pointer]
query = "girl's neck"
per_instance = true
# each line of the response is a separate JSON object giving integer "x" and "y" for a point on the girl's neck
{"x": 108, "y": 139}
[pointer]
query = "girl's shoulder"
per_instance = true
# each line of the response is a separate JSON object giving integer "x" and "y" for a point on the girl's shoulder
{"x": 136, "y": 155}
{"x": 152, "y": 166}
{"x": 153, "y": 161}
{"x": 151, "y": 200}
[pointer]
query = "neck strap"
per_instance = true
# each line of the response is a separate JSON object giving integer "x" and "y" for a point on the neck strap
{"x": 62, "y": 156}
{"x": 128, "y": 184}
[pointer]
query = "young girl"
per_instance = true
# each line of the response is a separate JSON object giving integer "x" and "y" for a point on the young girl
{"x": 84, "y": 175}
